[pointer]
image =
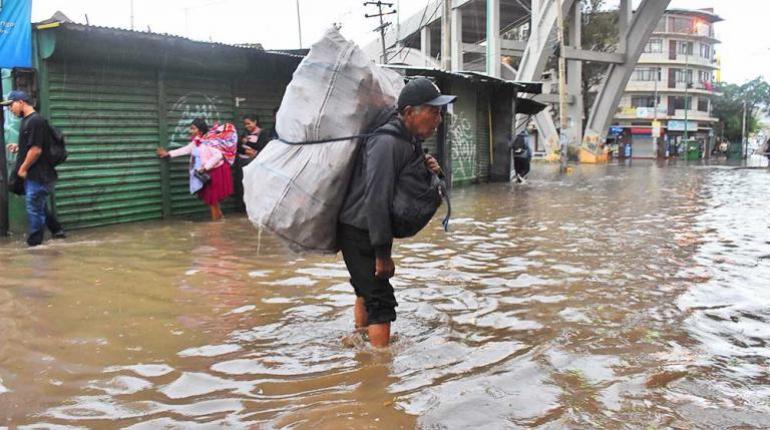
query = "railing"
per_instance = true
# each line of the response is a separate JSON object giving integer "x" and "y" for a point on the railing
{"x": 685, "y": 25}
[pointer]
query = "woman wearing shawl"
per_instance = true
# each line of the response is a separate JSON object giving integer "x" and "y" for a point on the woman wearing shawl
{"x": 211, "y": 154}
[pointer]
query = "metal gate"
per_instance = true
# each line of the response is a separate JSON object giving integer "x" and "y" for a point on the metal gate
{"x": 110, "y": 118}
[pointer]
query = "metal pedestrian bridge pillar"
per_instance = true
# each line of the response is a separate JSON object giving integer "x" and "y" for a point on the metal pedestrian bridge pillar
{"x": 633, "y": 31}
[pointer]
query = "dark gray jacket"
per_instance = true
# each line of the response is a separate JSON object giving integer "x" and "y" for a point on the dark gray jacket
{"x": 372, "y": 187}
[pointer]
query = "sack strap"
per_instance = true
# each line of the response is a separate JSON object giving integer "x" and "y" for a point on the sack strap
{"x": 445, "y": 195}
{"x": 339, "y": 139}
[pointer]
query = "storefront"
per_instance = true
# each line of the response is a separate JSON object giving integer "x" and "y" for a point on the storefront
{"x": 117, "y": 95}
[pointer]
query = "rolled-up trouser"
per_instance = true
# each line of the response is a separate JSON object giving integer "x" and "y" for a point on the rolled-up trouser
{"x": 35, "y": 194}
{"x": 357, "y": 250}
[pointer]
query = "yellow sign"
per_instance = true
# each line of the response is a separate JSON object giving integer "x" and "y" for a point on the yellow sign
{"x": 656, "y": 129}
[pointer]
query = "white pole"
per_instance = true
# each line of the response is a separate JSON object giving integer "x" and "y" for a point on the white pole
{"x": 562, "y": 87}
{"x": 446, "y": 36}
{"x": 299, "y": 26}
{"x": 743, "y": 133}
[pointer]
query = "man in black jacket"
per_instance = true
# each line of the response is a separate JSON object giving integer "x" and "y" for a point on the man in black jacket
{"x": 33, "y": 167}
{"x": 365, "y": 227}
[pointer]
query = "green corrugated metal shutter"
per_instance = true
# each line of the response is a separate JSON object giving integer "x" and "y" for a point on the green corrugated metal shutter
{"x": 260, "y": 98}
{"x": 482, "y": 137}
{"x": 186, "y": 99}
{"x": 110, "y": 118}
{"x": 462, "y": 135}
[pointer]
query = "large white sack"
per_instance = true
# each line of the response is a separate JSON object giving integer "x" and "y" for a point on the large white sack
{"x": 297, "y": 191}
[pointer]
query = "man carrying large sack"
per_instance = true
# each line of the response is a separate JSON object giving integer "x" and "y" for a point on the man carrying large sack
{"x": 390, "y": 159}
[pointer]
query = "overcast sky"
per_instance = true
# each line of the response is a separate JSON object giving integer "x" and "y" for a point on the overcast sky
{"x": 745, "y": 48}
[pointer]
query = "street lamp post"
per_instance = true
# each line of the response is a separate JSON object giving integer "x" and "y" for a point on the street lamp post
{"x": 686, "y": 87}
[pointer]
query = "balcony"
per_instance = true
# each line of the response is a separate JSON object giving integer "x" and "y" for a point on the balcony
{"x": 695, "y": 88}
{"x": 692, "y": 115}
{"x": 686, "y": 27}
{"x": 662, "y": 87}
{"x": 680, "y": 60}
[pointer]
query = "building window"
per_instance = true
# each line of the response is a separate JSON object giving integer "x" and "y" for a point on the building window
{"x": 679, "y": 75}
{"x": 646, "y": 74}
{"x": 678, "y": 102}
{"x": 684, "y": 48}
{"x": 705, "y": 50}
{"x": 653, "y": 46}
{"x": 704, "y": 76}
{"x": 703, "y": 104}
{"x": 678, "y": 24}
{"x": 643, "y": 101}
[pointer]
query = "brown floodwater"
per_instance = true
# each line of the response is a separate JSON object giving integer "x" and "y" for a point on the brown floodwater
{"x": 614, "y": 297}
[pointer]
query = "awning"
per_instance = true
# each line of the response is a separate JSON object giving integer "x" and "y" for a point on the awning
{"x": 528, "y": 106}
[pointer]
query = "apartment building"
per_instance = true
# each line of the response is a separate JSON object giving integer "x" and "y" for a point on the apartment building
{"x": 668, "y": 98}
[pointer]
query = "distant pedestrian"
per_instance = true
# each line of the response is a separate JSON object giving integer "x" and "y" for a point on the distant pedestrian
{"x": 249, "y": 141}
{"x": 522, "y": 157}
{"x": 34, "y": 168}
{"x": 271, "y": 134}
{"x": 249, "y": 145}
{"x": 765, "y": 150}
{"x": 210, "y": 174}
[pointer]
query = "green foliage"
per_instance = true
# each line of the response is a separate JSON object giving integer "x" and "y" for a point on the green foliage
{"x": 728, "y": 106}
{"x": 599, "y": 33}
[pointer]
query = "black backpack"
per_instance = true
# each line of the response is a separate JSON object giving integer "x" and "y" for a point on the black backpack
{"x": 417, "y": 196}
{"x": 57, "y": 147}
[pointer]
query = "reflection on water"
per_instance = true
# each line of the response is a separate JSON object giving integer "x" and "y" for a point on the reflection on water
{"x": 617, "y": 297}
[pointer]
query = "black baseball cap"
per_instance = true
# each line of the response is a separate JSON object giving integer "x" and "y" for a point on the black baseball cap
{"x": 15, "y": 96}
{"x": 422, "y": 91}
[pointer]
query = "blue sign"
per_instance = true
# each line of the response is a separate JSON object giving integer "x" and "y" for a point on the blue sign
{"x": 616, "y": 131}
{"x": 677, "y": 125}
{"x": 15, "y": 33}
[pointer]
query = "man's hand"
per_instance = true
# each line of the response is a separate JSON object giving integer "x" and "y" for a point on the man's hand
{"x": 162, "y": 152}
{"x": 250, "y": 152}
{"x": 384, "y": 268}
{"x": 12, "y": 147}
{"x": 432, "y": 165}
{"x": 22, "y": 173}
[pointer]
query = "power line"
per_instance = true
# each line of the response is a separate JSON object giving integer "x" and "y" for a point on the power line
{"x": 423, "y": 20}
{"x": 383, "y": 24}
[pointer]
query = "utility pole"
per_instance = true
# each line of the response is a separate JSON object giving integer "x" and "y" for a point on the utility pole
{"x": 446, "y": 35}
{"x": 383, "y": 24}
{"x": 743, "y": 133}
{"x": 299, "y": 26}
{"x": 656, "y": 75}
{"x": 686, "y": 88}
{"x": 562, "y": 88}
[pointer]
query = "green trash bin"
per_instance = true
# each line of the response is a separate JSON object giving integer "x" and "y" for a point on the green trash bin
{"x": 735, "y": 151}
{"x": 692, "y": 150}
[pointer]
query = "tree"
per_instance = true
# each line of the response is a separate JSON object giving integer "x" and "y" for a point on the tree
{"x": 727, "y": 106}
{"x": 599, "y": 33}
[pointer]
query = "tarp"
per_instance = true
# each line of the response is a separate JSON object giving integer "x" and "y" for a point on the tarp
{"x": 297, "y": 191}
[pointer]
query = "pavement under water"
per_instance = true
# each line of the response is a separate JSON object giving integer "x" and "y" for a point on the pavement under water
{"x": 614, "y": 297}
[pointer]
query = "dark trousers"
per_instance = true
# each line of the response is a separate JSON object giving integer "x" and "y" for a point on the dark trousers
{"x": 357, "y": 250}
{"x": 39, "y": 215}
{"x": 521, "y": 166}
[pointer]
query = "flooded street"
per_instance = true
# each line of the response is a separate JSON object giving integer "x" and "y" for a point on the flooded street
{"x": 615, "y": 297}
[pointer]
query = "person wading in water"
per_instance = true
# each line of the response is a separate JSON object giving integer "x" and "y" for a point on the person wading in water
{"x": 366, "y": 228}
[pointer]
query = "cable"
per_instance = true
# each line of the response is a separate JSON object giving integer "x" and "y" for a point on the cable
{"x": 419, "y": 27}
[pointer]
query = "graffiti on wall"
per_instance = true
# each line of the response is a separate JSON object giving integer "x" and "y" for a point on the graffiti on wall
{"x": 191, "y": 106}
{"x": 463, "y": 147}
